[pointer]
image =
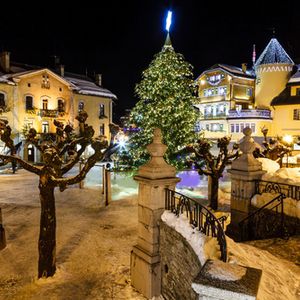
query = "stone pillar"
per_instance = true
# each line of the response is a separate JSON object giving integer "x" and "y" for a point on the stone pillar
{"x": 153, "y": 178}
{"x": 244, "y": 171}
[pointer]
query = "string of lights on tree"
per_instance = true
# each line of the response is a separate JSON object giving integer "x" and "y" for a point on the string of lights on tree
{"x": 166, "y": 95}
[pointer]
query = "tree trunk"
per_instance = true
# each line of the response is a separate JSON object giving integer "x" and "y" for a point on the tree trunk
{"x": 213, "y": 188}
{"x": 47, "y": 239}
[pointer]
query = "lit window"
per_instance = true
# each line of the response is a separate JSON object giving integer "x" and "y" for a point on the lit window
{"x": 249, "y": 92}
{"x": 221, "y": 127}
{"x": 296, "y": 114}
{"x": 45, "y": 127}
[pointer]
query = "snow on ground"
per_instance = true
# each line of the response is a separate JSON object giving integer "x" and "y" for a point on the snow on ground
{"x": 94, "y": 244}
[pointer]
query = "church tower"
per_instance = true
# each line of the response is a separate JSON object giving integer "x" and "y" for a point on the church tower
{"x": 273, "y": 70}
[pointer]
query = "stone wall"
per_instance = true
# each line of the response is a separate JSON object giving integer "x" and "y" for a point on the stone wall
{"x": 179, "y": 264}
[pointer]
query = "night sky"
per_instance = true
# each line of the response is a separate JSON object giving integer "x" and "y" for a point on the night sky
{"x": 119, "y": 38}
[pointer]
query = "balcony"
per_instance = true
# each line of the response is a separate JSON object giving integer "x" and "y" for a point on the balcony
{"x": 213, "y": 117}
{"x": 51, "y": 113}
{"x": 250, "y": 114}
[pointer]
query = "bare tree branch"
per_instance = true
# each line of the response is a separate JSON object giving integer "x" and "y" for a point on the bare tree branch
{"x": 24, "y": 164}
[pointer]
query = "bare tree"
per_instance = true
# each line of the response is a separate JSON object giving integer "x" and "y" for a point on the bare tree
{"x": 213, "y": 166}
{"x": 58, "y": 157}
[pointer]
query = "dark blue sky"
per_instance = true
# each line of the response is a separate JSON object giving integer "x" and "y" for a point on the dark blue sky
{"x": 119, "y": 38}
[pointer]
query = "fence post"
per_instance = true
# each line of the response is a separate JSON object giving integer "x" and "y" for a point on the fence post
{"x": 2, "y": 233}
{"x": 244, "y": 171}
{"x": 107, "y": 192}
{"x": 153, "y": 178}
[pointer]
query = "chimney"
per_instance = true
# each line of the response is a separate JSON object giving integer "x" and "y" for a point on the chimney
{"x": 5, "y": 61}
{"x": 61, "y": 70}
{"x": 244, "y": 67}
{"x": 98, "y": 79}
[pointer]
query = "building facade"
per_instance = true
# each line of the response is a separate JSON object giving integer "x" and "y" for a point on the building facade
{"x": 265, "y": 97}
{"x": 32, "y": 97}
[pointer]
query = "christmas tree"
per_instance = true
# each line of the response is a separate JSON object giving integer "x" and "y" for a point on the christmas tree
{"x": 166, "y": 95}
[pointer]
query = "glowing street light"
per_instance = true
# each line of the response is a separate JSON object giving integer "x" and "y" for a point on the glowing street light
{"x": 169, "y": 21}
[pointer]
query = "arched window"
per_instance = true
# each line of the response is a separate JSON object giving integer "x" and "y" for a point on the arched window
{"x": 60, "y": 105}
{"x": 2, "y": 100}
{"x": 29, "y": 102}
{"x": 80, "y": 106}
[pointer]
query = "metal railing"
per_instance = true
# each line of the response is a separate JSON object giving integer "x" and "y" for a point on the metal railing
{"x": 265, "y": 222}
{"x": 199, "y": 217}
{"x": 288, "y": 190}
{"x": 249, "y": 113}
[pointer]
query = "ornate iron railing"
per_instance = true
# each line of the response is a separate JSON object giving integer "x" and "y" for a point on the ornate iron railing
{"x": 249, "y": 113}
{"x": 288, "y": 190}
{"x": 265, "y": 222}
{"x": 199, "y": 217}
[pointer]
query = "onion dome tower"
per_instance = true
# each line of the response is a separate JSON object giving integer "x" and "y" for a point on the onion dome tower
{"x": 273, "y": 70}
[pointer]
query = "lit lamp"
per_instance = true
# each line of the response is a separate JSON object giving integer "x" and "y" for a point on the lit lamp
{"x": 288, "y": 139}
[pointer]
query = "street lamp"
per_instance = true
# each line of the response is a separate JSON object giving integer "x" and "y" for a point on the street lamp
{"x": 288, "y": 139}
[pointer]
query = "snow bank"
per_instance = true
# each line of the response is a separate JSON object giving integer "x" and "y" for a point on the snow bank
{"x": 269, "y": 165}
{"x": 291, "y": 206}
{"x": 226, "y": 271}
{"x": 205, "y": 247}
{"x": 284, "y": 175}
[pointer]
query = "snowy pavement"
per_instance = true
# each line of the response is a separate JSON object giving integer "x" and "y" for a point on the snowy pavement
{"x": 94, "y": 244}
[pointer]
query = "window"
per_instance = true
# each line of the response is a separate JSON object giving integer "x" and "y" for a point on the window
{"x": 297, "y": 91}
{"x": 221, "y": 127}
{"x": 253, "y": 127}
{"x": 45, "y": 82}
{"x": 45, "y": 104}
{"x": 296, "y": 114}
{"x": 28, "y": 102}
{"x": 45, "y": 127}
{"x": 237, "y": 127}
{"x": 207, "y": 127}
{"x": 60, "y": 89}
{"x": 2, "y": 100}
{"x": 80, "y": 106}
{"x": 29, "y": 84}
{"x": 102, "y": 131}
{"x": 101, "y": 111}
{"x": 249, "y": 92}
{"x": 232, "y": 128}
{"x": 60, "y": 105}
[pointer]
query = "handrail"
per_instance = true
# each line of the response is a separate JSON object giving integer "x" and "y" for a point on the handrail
{"x": 199, "y": 216}
{"x": 261, "y": 220}
{"x": 289, "y": 190}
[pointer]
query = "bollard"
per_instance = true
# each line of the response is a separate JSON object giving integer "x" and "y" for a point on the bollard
{"x": 107, "y": 192}
{"x": 2, "y": 233}
{"x": 103, "y": 180}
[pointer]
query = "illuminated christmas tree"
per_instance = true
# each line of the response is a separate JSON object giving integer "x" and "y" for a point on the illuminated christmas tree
{"x": 166, "y": 95}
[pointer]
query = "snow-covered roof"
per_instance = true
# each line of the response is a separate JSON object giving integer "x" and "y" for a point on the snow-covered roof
{"x": 296, "y": 77}
{"x": 233, "y": 70}
{"x": 88, "y": 87}
{"x": 274, "y": 54}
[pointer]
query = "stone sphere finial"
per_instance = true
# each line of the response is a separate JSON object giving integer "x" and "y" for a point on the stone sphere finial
{"x": 247, "y": 131}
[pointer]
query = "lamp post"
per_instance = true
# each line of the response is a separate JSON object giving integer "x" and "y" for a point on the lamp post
{"x": 288, "y": 139}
